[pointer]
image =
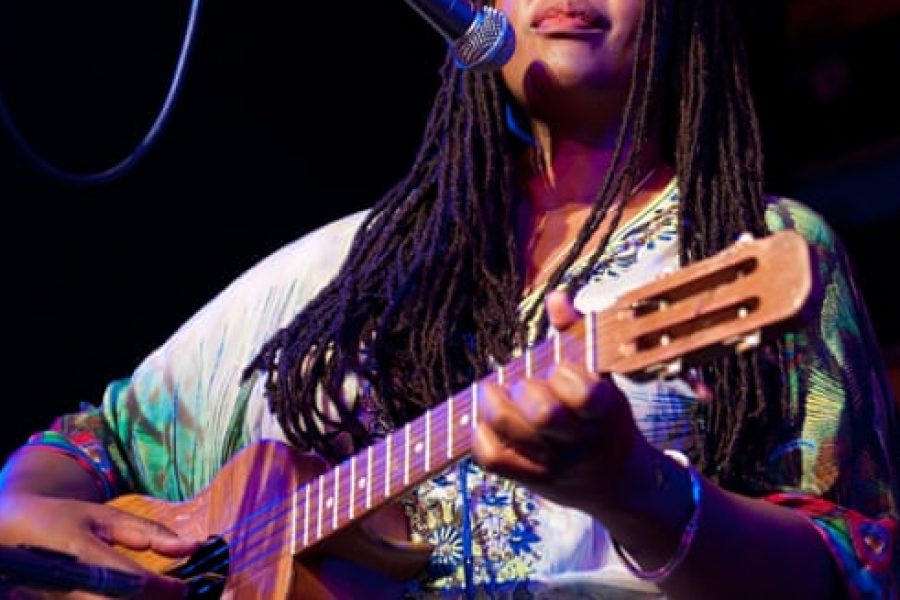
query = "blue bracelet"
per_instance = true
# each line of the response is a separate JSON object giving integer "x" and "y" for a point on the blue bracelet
{"x": 687, "y": 536}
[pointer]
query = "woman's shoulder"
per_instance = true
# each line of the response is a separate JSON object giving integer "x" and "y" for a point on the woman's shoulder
{"x": 285, "y": 279}
{"x": 319, "y": 251}
{"x": 789, "y": 213}
{"x": 324, "y": 240}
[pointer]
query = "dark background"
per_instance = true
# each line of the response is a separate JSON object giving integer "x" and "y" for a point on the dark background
{"x": 295, "y": 114}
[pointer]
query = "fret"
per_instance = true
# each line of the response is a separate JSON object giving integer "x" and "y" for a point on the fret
{"x": 574, "y": 348}
{"x": 330, "y": 480}
{"x": 406, "y": 443}
{"x": 335, "y": 501}
{"x": 319, "y": 508}
{"x": 358, "y": 483}
{"x": 557, "y": 346}
{"x": 427, "y": 456}
{"x": 395, "y": 470}
{"x": 589, "y": 343}
{"x": 450, "y": 426}
{"x": 420, "y": 449}
{"x": 438, "y": 445}
{"x": 352, "y": 487}
{"x": 529, "y": 367}
{"x": 474, "y": 419}
{"x": 294, "y": 494}
{"x": 545, "y": 357}
{"x": 388, "y": 467}
{"x": 306, "y": 515}
{"x": 369, "y": 454}
{"x": 501, "y": 375}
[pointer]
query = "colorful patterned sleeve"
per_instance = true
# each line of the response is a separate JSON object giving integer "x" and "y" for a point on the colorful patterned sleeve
{"x": 847, "y": 444}
{"x": 861, "y": 546}
{"x": 85, "y": 437}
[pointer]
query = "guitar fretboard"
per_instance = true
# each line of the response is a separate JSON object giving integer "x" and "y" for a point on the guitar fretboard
{"x": 423, "y": 447}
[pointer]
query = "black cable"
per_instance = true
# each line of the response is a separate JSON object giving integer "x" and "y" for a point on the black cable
{"x": 33, "y": 566}
{"x": 128, "y": 163}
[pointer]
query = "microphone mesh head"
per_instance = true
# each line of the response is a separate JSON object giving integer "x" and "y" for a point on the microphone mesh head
{"x": 488, "y": 44}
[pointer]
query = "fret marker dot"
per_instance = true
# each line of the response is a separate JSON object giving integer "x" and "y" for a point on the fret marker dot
{"x": 464, "y": 420}
{"x": 418, "y": 448}
{"x": 329, "y": 502}
{"x": 362, "y": 482}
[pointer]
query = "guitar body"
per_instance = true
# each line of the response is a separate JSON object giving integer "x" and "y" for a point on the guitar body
{"x": 244, "y": 509}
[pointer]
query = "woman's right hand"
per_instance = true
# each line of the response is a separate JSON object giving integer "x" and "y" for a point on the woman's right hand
{"x": 88, "y": 531}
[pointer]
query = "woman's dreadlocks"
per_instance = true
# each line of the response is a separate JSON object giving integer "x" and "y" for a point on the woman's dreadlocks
{"x": 428, "y": 297}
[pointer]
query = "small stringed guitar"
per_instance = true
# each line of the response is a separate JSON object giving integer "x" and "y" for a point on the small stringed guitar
{"x": 270, "y": 511}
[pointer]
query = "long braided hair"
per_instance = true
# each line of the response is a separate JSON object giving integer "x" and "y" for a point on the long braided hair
{"x": 428, "y": 296}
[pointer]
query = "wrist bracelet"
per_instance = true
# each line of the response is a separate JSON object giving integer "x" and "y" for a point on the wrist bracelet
{"x": 687, "y": 535}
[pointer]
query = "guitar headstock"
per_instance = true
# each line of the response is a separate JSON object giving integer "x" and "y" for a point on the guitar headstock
{"x": 708, "y": 307}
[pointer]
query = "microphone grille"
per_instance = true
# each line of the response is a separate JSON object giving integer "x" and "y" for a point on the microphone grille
{"x": 488, "y": 44}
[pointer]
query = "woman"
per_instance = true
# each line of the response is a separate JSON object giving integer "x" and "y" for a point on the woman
{"x": 618, "y": 142}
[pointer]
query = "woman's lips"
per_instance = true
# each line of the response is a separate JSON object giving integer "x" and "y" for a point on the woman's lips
{"x": 563, "y": 22}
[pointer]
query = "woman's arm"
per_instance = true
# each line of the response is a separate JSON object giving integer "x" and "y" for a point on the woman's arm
{"x": 49, "y": 500}
{"x": 743, "y": 547}
{"x": 572, "y": 438}
{"x": 47, "y": 473}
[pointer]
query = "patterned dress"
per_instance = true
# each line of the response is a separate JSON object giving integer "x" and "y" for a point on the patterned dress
{"x": 169, "y": 427}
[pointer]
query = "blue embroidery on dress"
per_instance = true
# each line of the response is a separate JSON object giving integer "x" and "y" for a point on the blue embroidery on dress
{"x": 448, "y": 550}
{"x": 505, "y": 541}
{"x": 661, "y": 226}
{"x": 521, "y": 539}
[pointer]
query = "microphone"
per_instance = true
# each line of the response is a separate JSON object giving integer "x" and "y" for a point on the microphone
{"x": 34, "y": 566}
{"x": 482, "y": 40}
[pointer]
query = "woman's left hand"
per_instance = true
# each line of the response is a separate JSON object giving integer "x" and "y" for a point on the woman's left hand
{"x": 570, "y": 437}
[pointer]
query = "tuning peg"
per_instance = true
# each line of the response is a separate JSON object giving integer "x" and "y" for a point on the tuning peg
{"x": 667, "y": 369}
{"x": 664, "y": 272}
{"x": 673, "y": 368}
{"x": 748, "y": 342}
{"x": 744, "y": 238}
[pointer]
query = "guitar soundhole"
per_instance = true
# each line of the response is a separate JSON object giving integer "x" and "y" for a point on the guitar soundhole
{"x": 206, "y": 570}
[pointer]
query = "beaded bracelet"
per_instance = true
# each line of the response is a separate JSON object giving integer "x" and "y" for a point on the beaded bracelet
{"x": 687, "y": 536}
